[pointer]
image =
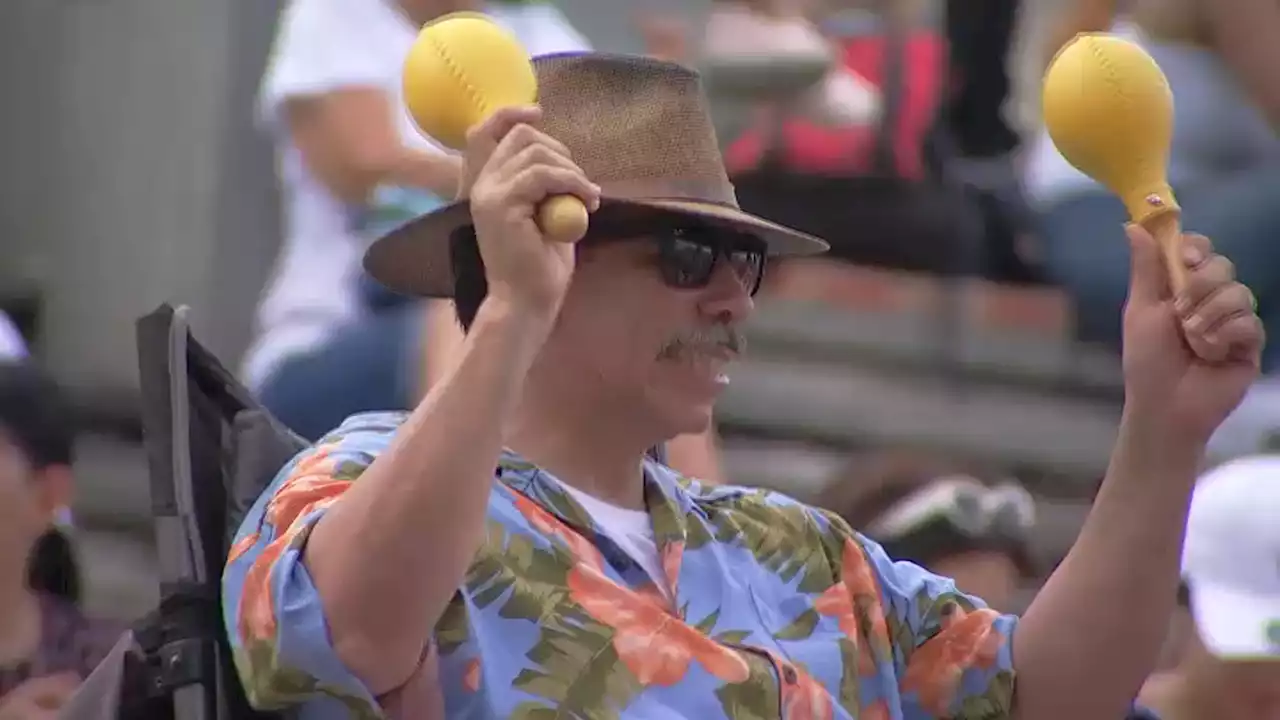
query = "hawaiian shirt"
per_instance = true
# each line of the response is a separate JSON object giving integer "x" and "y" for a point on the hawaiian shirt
{"x": 780, "y": 610}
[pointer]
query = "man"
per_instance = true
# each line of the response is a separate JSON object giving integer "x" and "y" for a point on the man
{"x": 1229, "y": 667}
{"x": 506, "y": 545}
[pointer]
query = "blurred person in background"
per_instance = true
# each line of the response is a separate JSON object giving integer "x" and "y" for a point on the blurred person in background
{"x": 1220, "y": 57}
{"x": 941, "y": 516}
{"x": 47, "y": 644}
{"x": 351, "y": 162}
{"x": 768, "y": 50}
{"x": 1228, "y": 666}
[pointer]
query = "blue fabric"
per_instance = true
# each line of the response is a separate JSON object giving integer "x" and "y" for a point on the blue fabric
{"x": 371, "y": 364}
{"x": 1086, "y": 250}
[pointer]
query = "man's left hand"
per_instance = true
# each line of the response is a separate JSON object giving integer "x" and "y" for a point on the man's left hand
{"x": 1189, "y": 358}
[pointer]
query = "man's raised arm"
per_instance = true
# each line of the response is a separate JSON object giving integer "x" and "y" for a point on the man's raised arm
{"x": 381, "y": 557}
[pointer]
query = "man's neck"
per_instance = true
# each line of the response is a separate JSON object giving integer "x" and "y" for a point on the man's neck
{"x": 588, "y": 450}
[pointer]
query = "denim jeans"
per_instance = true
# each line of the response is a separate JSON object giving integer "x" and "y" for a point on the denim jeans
{"x": 1087, "y": 253}
{"x": 372, "y": 364}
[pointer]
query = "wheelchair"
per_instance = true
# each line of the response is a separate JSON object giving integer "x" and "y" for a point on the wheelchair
{"x": 211, "y": 451}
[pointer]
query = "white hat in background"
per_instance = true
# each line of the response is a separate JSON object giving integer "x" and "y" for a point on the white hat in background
{"x": 1231, "y": 560}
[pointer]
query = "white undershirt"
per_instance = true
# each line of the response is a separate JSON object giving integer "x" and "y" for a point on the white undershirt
{"x": 631, "y": 531}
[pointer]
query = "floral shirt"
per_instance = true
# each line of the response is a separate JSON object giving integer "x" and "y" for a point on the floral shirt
{"x": 780, "y": 610}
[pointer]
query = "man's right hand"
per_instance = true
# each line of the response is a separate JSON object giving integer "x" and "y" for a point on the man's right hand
{"x": 38, "y": 698}
{"x": 510, "y": 167}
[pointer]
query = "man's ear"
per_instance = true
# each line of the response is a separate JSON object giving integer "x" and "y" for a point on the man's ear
{"x": 55, "y": 490}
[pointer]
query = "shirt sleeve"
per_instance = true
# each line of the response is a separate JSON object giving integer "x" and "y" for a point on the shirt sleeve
{"x": 325, "y": 45}
{"x": 273, "y": 615}
{"x": 952, "y": 654}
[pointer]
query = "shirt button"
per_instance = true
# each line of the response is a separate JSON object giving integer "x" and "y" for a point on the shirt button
{"x": 789, "y": 674}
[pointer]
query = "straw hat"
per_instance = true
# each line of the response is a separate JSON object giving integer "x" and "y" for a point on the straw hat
{"x": 639, "y": 128}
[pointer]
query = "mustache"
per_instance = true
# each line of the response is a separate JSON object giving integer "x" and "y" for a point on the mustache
{"x": 715, "y": 337}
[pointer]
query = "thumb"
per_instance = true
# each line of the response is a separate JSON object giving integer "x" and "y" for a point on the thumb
{"x": 1148, "y": 278}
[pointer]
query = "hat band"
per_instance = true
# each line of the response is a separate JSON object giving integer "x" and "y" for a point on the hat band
{"x": 719, "y": 192}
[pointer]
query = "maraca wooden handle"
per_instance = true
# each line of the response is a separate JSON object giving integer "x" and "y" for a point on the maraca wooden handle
{"x": 563, "y": 219}
{"x": 1166, "y": 228}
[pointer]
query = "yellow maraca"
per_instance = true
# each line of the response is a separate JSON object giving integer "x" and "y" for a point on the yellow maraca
{"x": 1109, "y": 111}
{"x": 464, "y": 67}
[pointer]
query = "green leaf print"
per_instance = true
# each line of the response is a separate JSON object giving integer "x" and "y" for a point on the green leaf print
{"x": 992, "y": 704}
{"x": 578, "y": 671}
{"x": 980, "y": 707}
{"x": 698, "y": 535}
{"x": 782, "y": 540}
{"x": 800, "y": 628}
{"x": 733, "y": 637}
{"x": 755, "y": 699}
{"x": 708, "y": 623}
{"x": 850, "y": 687}
{"x": 273, "y": 687}
{"x": 541, "y": 684}
{"x": 534, "y": 711}
{"x": 452, "y": 630}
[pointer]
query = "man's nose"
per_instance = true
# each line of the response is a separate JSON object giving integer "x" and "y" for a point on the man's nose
{"x": 726, "y": 297}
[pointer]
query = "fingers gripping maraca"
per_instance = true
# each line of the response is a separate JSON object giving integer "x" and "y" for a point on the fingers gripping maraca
{"x": 460, "y": 71}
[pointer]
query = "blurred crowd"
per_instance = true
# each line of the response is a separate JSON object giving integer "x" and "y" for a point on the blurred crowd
{"x": 882, "y": 125}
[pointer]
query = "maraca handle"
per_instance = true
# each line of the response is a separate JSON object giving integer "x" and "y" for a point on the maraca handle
{"x": 563, "y": 219}
{"x": 1166, "y": 228}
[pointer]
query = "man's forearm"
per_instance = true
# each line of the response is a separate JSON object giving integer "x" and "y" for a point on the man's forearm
{"x": 436, "y": 172}
{"x": 390, "y": 554}
{"x": 1094, "y": 631}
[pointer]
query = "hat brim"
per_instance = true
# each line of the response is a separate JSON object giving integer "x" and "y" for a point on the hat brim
{"x": 414, "y": 259}
{"x": 1236, "y": 625}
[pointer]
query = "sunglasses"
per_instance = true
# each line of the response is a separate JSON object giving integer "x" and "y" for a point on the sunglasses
{"x": 690, "y": 253}
{"x": 968, "y": 507}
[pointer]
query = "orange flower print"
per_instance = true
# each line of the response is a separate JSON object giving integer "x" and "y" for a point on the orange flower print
{"x": 655, "y": 646}
{"x": 836, "y": 602}
{"x": 256, "y": 613}
{"x": 865, "y": 590}
{"x": 310, "y": 487}
{"x": 471, "y": 675}
{"x": 967, "y": 640}
{"x": 806, "y": 698}
{"x": 550, "y": 525}
{"x": 242, "y": 546}
{"x": 854, "y": 599}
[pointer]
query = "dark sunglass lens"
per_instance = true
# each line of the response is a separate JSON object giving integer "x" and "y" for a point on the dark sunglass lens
{"x": 748, "y": 267}
{"x": 688, "y": 263}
